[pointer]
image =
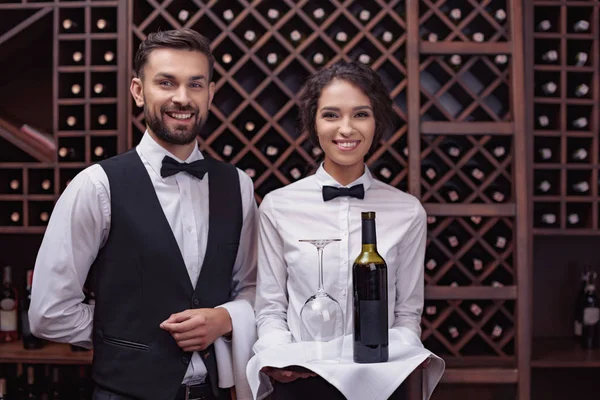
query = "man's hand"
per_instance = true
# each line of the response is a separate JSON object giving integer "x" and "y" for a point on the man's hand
{"x": 285, "y": 376}
{"x": 196, "y": 329}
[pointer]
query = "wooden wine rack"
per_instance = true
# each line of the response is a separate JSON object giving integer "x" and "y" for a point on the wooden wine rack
{"x": 452, "y": 92}
{"x": 564, "y": 121}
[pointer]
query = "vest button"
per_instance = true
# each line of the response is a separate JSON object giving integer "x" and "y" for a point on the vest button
{"x": 196, "y": 301}
{"x": 185, "y": 360}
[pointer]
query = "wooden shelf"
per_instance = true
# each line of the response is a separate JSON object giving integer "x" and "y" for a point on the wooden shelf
{"x": 480, "y": 375}
{"x": 562, "y": 353}
{"x": 51, "y": 353}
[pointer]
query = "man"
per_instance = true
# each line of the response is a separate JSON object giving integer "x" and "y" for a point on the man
{"x": 168, "y": 239}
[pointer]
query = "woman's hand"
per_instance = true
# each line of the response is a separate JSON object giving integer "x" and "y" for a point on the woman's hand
{"x": 285, "y": 376}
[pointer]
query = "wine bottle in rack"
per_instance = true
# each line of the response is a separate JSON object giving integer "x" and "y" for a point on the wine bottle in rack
{"x": 250, "y": 36}
{"x": 429, "y": 170}
{"x": 545, "y": 153}
{"x": 500, "y": 15}
{"x": 364, "y": 16}
{"x": 272, "y": 59}
{"x": 501, "y": 59}
{"x": 102, "y": 119}
{"x": 228, "y": 15}
{"x": 31, "y": 388}
{"x": 478, "y": 37}
{"x": 580, "y": 59}
{"x": 67, "y": 153}
{"x": 77, "y": 56}
{"x": 549, "y": 88}
{"x": 56, "y": 390}
{"x": 341, "y": 38}
{"x": 15, "y": 218}
{"x": 544, "y": 25}
{"x": 226, "y": 59}
{"x": 68, "y": 24}
{"x": 271, "y": 151}
{"x": 580, "y": 122}
{"x": 573, "y": 218}
{"x": 581, "y": 90}
{"x": 102, "y": 24}
{"x": 544, "y": 186}
{"x": 364, "y": 59}
{"x": 8, "y": 308}
{"x": 581, "y": 26}
{"x": 387, "y": 37}
{"x": 543, "y": 121}
{"x": 109, "y": 56}
{"x": 29, "y": 340}
{"x": 273, "y": 14}
{"x": 455, "y": 15}
{"x": 183, "y": 15}
{"x": 453, "y": 192}
{"x": 76, "y": 90}
{"x": 296, "y": 37}
{"x": 430, "y": 37}
{"x": 455, "y": 61}
{"x": 590, "y": 333}
{"x": 318, "y": 14}
{"x": 14, "y": 185}
{"x": 3, "y": 390}
{"x": 581, "y": 187}
{"x": 550, "y": 56}
{"x": 431, "y": 264}
{"x": 548, "y": 219}
{"x": 475, "y": 310}
{"x": 580, "y": 301}
{"x": 579, "y": 155}
{"x": 318, "y": 59}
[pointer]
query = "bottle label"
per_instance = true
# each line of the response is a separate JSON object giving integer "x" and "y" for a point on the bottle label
{"x": 373, "y": 322}
{"x": 8, "y": 321}
{"x": 591, "y": 316}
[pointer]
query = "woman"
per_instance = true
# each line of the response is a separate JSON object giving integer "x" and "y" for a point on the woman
{"x": 345, "y": 109}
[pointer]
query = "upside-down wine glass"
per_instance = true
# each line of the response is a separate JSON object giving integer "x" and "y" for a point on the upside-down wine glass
{"x": 321, "y": 317}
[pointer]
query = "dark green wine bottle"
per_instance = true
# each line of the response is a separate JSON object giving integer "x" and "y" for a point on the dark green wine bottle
{"x": 369, "y": 281}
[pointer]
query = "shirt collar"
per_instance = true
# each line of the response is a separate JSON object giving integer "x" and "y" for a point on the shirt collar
{"x": 324, "y": 179}
{"x": 154, "y": 153}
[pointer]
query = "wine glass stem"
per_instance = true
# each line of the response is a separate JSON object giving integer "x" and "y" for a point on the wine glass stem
{"x": 320, "y": 252}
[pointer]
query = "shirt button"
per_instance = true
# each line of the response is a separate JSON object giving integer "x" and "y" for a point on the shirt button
{"x": 189, "y": 228}
{"x": 196, "y": 302}
{"x": 343, "y": 292}
{"x": 185, "y": 360}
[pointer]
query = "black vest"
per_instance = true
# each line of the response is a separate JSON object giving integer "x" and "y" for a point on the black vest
{"x": 140, "y": 279}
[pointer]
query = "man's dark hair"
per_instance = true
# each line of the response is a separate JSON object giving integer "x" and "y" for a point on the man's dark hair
{"x": 358, "y": 75}
{"x": 179, "y": 39}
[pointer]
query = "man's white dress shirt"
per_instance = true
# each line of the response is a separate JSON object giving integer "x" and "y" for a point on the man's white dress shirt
{"x": 80, "y": 225}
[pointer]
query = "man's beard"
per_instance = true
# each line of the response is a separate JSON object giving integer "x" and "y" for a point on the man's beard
{"x": 181, "y": 135}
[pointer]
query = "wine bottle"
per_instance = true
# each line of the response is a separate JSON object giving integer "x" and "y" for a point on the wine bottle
{"x": 545, "y": 153}
{"x": 580, "y": 122}
{"x": 550, "y": 56}
{"x": 31, "y": 390}
{"x": 581, "y": 187}
{"x": 102, "y": 24}
{"x": 318, "y": 14}
{"x": 590, "y": 333}
{"x": 478, "y": 37}
{"x": 544, "y": 186}
{"x": 549, "y": 87}
{"x": 15, "y": 217}
{"x": 580, "y": 302}
{"x": 183, "y": 15}
{"x": 273, "y": 14}
{"x": 77, "y": 56}
{"x": 75, "y": 89}
{"x": 431, "y": 264}
{"x": 455, "y": 15}
{"x": 385, "y": 172}
{"x": 364, "y": 59}
{"x": 14, "y": 184}
{"x": 8, "y": 308}
{"x": 109, "y": 56}
{"x": 573, "y": 219}
{"x": 543, "y": 121}
{"x": 548, "y": 218}
{"x": 500, "y": 15}
{"x": 318, "y": 58}
{"x": 272, "y": 59}
{"x": 387, "y": 37}
{"x": 250, "y": 36}
{"x": 56, "y": 386}
{"x": 369, "y": 281}
{"x": 501, "y": 59}
{"x": 579, "y": 155}
{"x": 544, "y": 25}
{"x": 228, "y": 15}
{"x": 71, "y": 120}
{"x": 29, "y": 340}
{"x": 364, "y": 15}
{"x": 68, "y": 24}
{"x": 581, "y": 26}
{"x": 341, "y": 37}
{"x": 102, "y": 119}
{"x": 296, "y": 37}
{"x": 580, "y": 59}
{"x": 581, "y": 90}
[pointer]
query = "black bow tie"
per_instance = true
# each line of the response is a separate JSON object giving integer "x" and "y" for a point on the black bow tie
{"x": 331, "y": 192}
{"x": 171, "y": 167}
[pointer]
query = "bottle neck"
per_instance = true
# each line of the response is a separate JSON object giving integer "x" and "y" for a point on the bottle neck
{"x": 369, "y": 236}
